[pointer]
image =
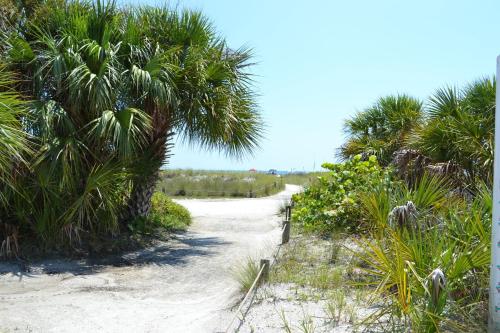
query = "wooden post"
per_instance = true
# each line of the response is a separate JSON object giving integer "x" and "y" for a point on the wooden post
{"x": 288, "y": 213}
{"x": 285, "y": 236}
{"x": 265, "y": 272}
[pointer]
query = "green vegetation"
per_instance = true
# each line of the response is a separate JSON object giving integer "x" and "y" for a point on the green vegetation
{"x": 164, "y": 214}
{"x": 415, "y": 188}
{"x": 458, "y": 132}
{"x": 232, "y": 184}
{"x": 452, "y": 135}
{"x": 303, "y": 179}
{"x": 308, "y": 264}
{"x": 321, "y": 271}
{"x": 168, "y": 214}
{"x": 90, "y": 96}
{"x": 382, "y": 129}
{"x": 246, "y": 273}
{"x": 192, "y": 183}
{"x": 427, "y": 232}
{"x": 334, "y": 199}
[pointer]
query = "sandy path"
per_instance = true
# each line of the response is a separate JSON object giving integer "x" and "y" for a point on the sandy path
{"x": 184, "y": 285}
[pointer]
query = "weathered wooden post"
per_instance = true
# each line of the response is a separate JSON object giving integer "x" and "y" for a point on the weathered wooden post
{"x": 264, "y": 265}
{"x": 288, "y": 213}
{"x": 285, "y": 236}
{"x": 494, "y": 320}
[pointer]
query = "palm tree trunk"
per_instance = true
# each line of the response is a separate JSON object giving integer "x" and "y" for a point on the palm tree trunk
{"x": 140, "y": 198}
{"x": 154, "y": 157}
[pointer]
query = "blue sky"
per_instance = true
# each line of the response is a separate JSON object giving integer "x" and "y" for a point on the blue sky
{"x": 321, "y": 61}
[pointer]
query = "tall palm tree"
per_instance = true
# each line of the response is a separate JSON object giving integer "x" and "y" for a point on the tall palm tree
{"x": 193, "y": 84}
{"x": 383, "y": 128}
{"x": 126, "y": 80}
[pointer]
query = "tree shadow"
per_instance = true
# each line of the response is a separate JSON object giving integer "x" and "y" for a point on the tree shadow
{"x": 176, "y": 251}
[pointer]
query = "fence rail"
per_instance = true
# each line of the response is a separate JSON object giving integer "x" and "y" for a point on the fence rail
{"x": 265, "y": 265}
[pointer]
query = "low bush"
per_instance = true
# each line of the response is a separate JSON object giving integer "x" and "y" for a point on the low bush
{"x": 334, "y": 200}
{"x": 432, "y": 271}
{"x": 425, "y": 247}
{"x": 168, "y": 214}
{"x": 165, "y": 214}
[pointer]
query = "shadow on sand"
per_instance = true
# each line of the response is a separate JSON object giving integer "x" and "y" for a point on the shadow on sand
{"x": 176, "y": 251}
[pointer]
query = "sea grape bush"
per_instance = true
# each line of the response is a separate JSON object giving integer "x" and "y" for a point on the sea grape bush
{"x": 333, "y": 201}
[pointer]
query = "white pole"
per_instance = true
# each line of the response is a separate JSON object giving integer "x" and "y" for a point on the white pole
{"x": 494, "y": 320}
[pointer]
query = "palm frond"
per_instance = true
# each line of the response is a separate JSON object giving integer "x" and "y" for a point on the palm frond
{"x": 14, "y": 143}
{"x": 383, "y": 128}
{"x": 126, "y": 130}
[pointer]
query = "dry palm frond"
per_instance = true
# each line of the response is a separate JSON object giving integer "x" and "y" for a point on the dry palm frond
{"x": 403, "y": 216}
{"x": 410, "y": 164}
{"x": 9, "y": 246}
{"x": 437, "y": 280}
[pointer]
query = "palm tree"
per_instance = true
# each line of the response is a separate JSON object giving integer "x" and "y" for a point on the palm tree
{"x": 381, "y": 129}
{"x": 116, "y": 84}
{"x": 15, "y": 150}
{"x": 86, "y": 138}
{"x": 459, "y": 129}
{"x": 192, "y": 84}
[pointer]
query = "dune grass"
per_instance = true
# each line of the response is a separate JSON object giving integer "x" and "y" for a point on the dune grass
{"x": 230, "y": 184}
{"x": 245, "y": 273}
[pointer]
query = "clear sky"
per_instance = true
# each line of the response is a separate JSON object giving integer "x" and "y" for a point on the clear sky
{"x": 321, "y": 61}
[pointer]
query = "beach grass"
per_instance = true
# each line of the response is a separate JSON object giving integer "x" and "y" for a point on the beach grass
{"x": 230, "y": 184}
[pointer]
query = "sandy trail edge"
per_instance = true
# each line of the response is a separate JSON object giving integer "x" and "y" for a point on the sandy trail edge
{"x": 184, "y": 285}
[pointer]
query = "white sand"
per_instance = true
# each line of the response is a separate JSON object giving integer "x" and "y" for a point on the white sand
{"x": 184, "y": 285}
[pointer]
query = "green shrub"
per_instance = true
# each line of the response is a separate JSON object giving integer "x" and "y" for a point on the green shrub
{"x": 448, "y": 234}
{"x": 165, "y": 214}
{"x": 168, "y": 214}
{"x": 333, "y": 201}
{"x": 417, "y": 232}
